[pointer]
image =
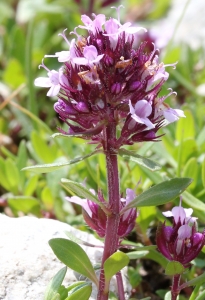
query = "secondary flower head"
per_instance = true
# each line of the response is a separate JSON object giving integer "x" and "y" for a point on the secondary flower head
{"x": 105, "y": 78}
{"x": 96, "y": 218}
{"x": 180, "y": 242}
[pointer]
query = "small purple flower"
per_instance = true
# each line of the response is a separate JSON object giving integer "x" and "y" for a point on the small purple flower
{"x": 90, "y": 56}
{"x": 181, "y": 242}
{"x": 54, "y": 81}
{"x": 141, "y": 112}
{"x": 96, "y": 218}
{"x": 94, "y": 25}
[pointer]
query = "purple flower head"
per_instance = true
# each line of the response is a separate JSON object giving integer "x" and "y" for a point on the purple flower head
{"x": 181, "y": 242}
{"x": 105, "y": 78}
{"x": 96, "y": 218}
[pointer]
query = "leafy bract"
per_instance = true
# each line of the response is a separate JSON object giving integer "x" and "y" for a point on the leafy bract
{"x": 174, "y": 268}
{"x": 73, "y": 256}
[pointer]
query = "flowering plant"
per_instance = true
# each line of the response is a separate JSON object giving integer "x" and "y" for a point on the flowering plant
{"x": 108, "y": 94}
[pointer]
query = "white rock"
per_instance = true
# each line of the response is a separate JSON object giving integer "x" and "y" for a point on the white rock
{"x": 27, "y": 261}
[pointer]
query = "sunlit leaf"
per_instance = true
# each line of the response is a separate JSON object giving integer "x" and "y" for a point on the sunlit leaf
{"x": 113, "y": 265}
{"x": 73, "y": 256}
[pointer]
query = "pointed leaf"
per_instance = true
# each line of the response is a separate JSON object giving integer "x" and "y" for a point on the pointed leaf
{"x": 160, "y": 193}
{"x": 81, "y": 292}
{"x": 46, "y": 168}
{"x": 174, "y": 268}
{"x": 79, "y": 190}
{"x": 54, "y": 284}
{"x": 114, "y": 264}
{"x": 140, "y": 160}
{"x": 73, "y": 256}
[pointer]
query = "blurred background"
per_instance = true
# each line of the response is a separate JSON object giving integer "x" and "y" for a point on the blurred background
{"x": 29, "y": 30}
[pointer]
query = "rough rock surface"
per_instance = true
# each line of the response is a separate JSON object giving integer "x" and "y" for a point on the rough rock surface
{"x": 27, "y": 261}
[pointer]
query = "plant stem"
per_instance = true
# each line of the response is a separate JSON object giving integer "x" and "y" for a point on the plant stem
{"x": 121, "y": 293}
{"x": 175, "y": 286}
{"x": 111, "y": 236}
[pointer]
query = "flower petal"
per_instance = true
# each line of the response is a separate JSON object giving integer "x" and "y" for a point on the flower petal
{"x": 43, "y": 82}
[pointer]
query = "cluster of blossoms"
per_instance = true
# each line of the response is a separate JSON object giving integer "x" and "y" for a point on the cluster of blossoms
{"x": 96, "y": 218}
{"x": 180, "y": 242}
{"x": 105, "y": 79}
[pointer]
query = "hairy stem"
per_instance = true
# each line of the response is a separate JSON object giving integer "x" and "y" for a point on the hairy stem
{"x": 111, "y": 236}
{"x": 175, "y": 286}
{"x": 120, "y": 287}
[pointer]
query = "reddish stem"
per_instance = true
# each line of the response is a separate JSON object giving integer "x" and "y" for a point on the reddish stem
{"x": 175, "y": 286}
{"x": 120, "y": 287}
{"x": 111, "y": 236}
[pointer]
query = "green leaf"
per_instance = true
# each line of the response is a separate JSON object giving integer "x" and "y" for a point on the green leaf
{"x": 185, "y": 127}
{"x": 201, "y": 296}
{"x": 160, "y": 193}
{"x": 3, "y": 178}
{"x": 114, "y": 264}
{"x": 80, "y": 292}
{"x": 31, "y": 185}
{"x": 191, "y": 170}
{"x": 43, "y": 150}
{"x": 203, "y": 173}
{"x": 22, "y": 155}
{"x": 137, "y": 254}
{"x": 174, "y": 268}
{"x": 193, "y": 202}
{"x": 14, "y": 74}
{"x": 12, "y": 173}
{"x": 140, "y": 160}
{"x": 25, "y": 204}
{"x": 47, "y": 198}
{"x": 54, "y": 284}
{"x": 79, "y": 190}
{"x": 46, "y": 168}
{"x": 198, "y": 280}
{"x": 73, "y": 256}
